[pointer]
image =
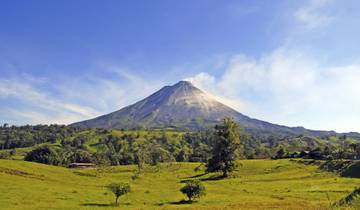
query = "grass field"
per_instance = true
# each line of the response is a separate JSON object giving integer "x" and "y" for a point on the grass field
{"x": 258, "y": 184}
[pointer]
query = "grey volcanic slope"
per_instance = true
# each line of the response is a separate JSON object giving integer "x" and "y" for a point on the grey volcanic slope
{"x": 184, "y": 106}
{"x": 181, "y": 105}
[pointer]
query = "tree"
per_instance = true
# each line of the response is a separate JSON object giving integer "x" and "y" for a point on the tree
{"x": 153, "y": 153}
{"x": 226, "y": 146}
{"x": 44, "y": 154}
{"x": 81, "y": 156}
{"x": 119, "y": 189}
{"x": 13, "y": 152}
{"x": 316, "y": 154}
{"x": 193, "y": 189}
{"x": 357, "y": 151}
{"x": 280, "y": 153}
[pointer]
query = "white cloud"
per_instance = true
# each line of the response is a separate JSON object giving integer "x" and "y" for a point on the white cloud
{"x": 203, "y": 80}
{"x": 286, "y": 86}
{"x": 207, "y": 83}
{"x": 313, "y": 15}
{"x": 289, "y": 87}
{"x": 66, "y": 100}
{"x": 115, "y": 88}
{"x": 32, "y": 117}
{"x": 23, "y": 89}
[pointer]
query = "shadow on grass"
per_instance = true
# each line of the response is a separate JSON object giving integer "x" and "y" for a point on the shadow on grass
{"x": 196, "y": 176}
{"x": 97, "y": 204}
{"x": 104, "y": 204}
{"x": 211, "y": 178}
{"x": 181, "y": 202}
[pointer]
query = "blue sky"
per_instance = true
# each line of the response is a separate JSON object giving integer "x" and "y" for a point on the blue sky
{"x": 288, "y": 62}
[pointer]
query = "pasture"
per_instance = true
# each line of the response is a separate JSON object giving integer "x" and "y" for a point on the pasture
{"x": 257, "y": 184}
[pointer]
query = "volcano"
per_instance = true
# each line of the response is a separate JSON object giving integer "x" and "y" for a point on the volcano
{"x": 184, "y": 106}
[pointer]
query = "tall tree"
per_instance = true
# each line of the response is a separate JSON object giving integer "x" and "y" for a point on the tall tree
{"x": 225, "y": 148}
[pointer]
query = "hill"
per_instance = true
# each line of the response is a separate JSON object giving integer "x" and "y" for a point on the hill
{"x": 258, "y": 184}
{"x": 184, "y": 106}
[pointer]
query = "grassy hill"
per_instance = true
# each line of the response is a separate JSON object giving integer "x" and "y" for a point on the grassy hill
{"x": 258, "y": 184}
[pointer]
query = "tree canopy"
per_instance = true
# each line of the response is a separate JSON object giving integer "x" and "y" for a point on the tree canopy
{"x": 193, "y": 189}
{"x": 119, "y": 189}
{"x": 226, "y": 145}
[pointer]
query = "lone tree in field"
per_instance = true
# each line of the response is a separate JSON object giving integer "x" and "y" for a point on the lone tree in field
{"x": 119, "y": 189}
{"x": 225, "y": 148}
{"x": 193, "y": 189}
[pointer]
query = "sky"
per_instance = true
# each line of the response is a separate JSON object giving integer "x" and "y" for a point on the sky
{"x": 295, "y": 63}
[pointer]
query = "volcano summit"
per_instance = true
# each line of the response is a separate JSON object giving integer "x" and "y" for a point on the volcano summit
{"x": 184, "y": 106}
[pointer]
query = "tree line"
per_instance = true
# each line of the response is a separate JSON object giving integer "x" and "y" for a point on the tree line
{"x": 62, "y": 145}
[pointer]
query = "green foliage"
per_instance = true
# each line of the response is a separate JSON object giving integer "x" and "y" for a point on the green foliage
{"x": 193, "y": 189}
{"x": 44, "y": 154}
{"x": 27, "y": 136}
{"x": 5, "y": 155}
{"x": 81, "y": 156}
{"x": 119, "y": 189}
{"x": 120, "y": 147}
{"x": 199, "y": 146}
{"x": 349, "y": 198}
{"x": 226, "y": 146}
{"x": 353, "y": 170}
{"x": 345, "y": 168}
{"x": 280, "y": 153}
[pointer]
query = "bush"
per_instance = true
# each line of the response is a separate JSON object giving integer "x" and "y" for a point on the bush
{"x": 5, "y": 155}
{"x": 349, "y": 198}
{"x": 193, "y": 189}
{"x": 119, "y": 189}
{"x": 81, "y": 156}
{"x": 44, "y": 154}
{"x": 352, "y": 170}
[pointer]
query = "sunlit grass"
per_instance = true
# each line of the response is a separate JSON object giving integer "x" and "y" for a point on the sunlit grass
{"x": 258, "y": 184}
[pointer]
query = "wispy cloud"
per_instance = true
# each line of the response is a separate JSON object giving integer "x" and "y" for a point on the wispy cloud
{"x": 67, "y": 100}
{"x": 289, "y": 87}
{"x": 23, "y": 88}
{"x": 314, "y": 14}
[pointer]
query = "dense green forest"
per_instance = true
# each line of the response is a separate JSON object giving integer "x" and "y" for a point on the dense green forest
{"x": 61, "y": 145}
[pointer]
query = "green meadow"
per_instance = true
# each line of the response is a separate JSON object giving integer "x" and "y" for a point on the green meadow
{"x": 257, "y": 184}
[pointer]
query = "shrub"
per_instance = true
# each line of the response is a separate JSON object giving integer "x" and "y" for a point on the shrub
{"x": 353, "y": 170}
{"x": 44, "y": 154}
{"x": 119, "y": 189}
{"x": 349, "y": 198}
{"x": 81, "y": 156}
{"x": 193, "y": 189}
{"x": 5, "y": 155}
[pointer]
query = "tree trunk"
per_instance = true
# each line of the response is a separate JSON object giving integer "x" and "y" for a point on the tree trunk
{"x": 116, "y": 201}
{"x": 225, "y": 174}
{"x": 189, "y": 197}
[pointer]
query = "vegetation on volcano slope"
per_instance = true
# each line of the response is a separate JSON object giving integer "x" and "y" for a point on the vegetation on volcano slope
{"x": 257, "y": 184}
{"x": 118, "y": 147}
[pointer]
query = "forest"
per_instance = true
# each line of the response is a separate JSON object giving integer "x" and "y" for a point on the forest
{"x": 62, "y": 145}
